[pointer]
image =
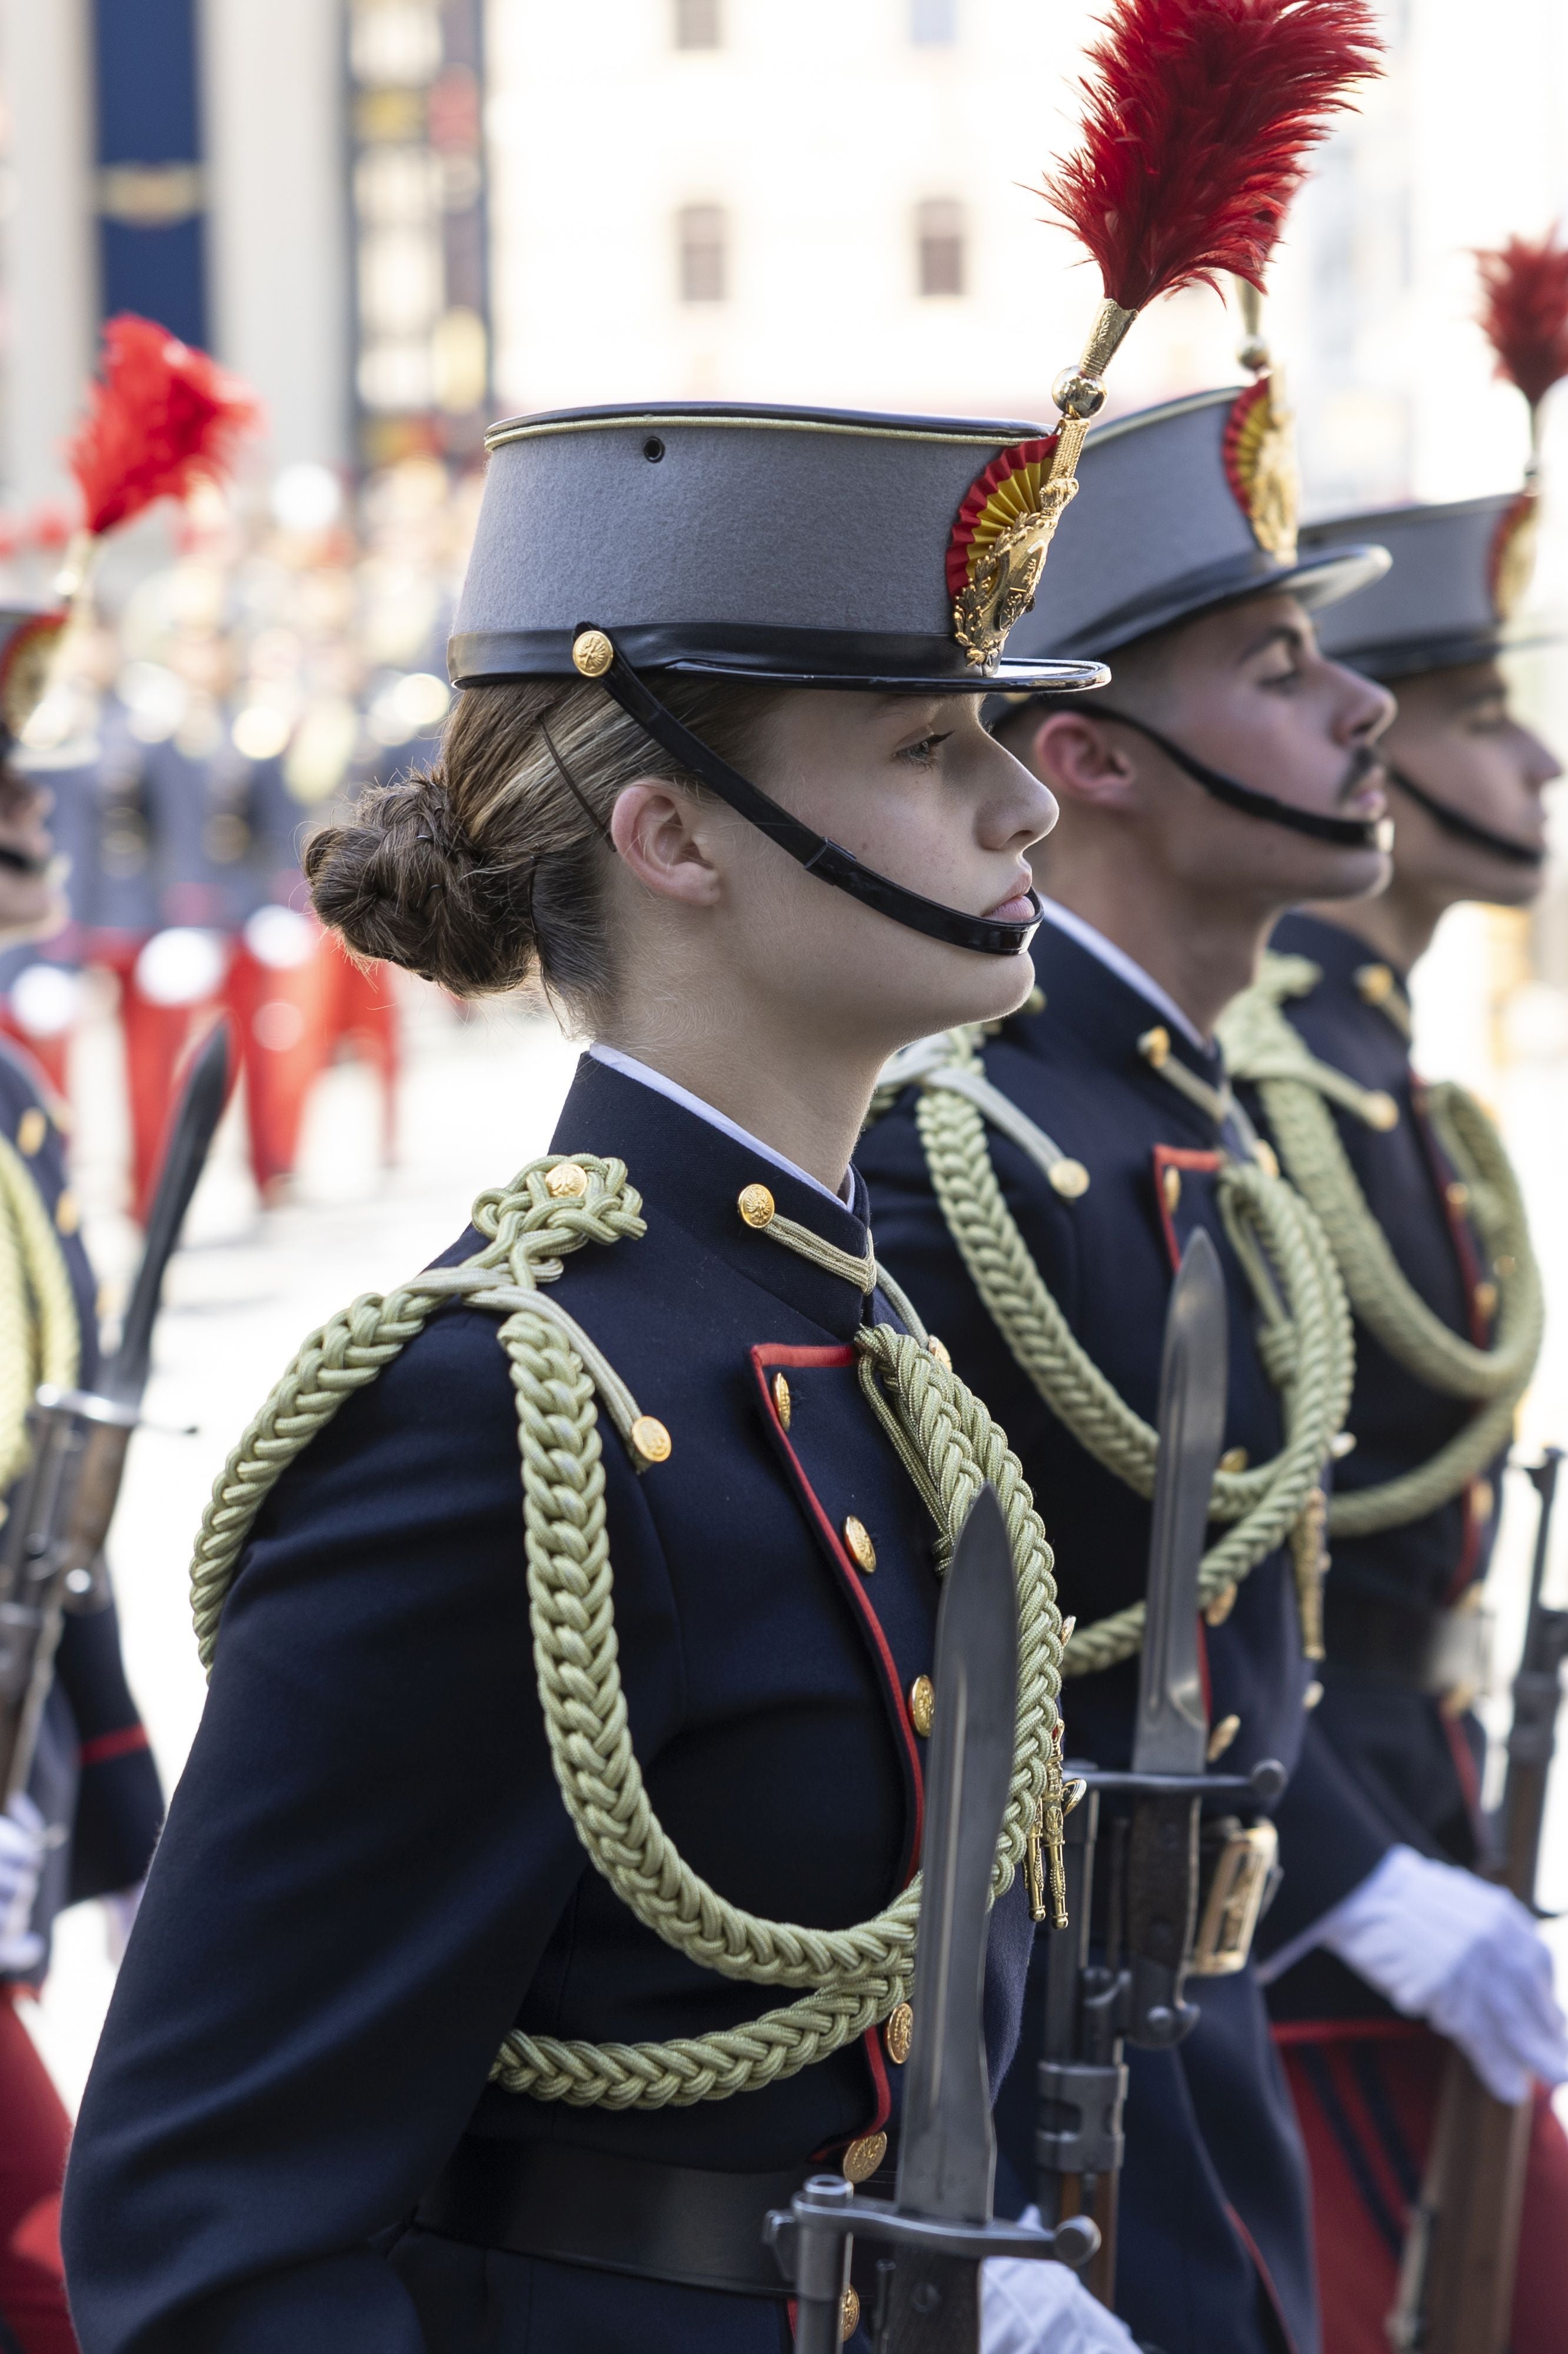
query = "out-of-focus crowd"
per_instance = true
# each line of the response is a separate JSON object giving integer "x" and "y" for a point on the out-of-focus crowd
{"x": 227, "y": 689}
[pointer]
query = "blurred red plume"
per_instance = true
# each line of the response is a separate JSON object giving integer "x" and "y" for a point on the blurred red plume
{"x": 1524, "y": 311}
{"x": 1197, "y": 119}
{"x": 160, "y": 416}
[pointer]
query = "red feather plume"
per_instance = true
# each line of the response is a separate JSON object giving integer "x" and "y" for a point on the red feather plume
{"x": 160, "y": 416}
{"x": 1524, "y": 311}
{"x": 1197, "y": 119}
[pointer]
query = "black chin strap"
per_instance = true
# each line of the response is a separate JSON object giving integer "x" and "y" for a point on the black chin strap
{"x": 18, "y": 862}
{"x": 815, "y": 852}
{"x": 1345, "y": 832}
{"x": 1463, "y": 828}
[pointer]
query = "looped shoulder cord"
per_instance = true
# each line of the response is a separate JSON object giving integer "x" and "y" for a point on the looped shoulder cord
{"x": 1305, "y": 1336}
{"x": 855, "y": 1976}
{"x": 1296, "y": 1089}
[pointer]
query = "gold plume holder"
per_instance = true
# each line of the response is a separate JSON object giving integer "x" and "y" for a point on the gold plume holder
{"x": 1253, "y": 351}
{"x": 1007, "y": 574}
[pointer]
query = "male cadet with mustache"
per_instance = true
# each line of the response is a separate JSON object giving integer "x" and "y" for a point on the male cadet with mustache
{"x": 86, "y": 1823}
{"x": 1228, "y": 772}
{"x": 1437, "y": 1261}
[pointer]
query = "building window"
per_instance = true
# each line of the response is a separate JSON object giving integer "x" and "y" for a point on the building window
{"x": 939, "y": 234}
{"x": 697, "y": 25}
{"x": 933, "y": 24}
{"x": 703, "y": 242}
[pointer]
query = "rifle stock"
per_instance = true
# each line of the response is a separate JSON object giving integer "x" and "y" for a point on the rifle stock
{"x": 1456, "y": 2289}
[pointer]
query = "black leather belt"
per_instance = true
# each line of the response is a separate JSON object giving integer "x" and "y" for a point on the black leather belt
{"x": 573, "y": 2206}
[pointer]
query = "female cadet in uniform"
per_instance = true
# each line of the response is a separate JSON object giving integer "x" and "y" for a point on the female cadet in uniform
{"x": 374, "y": 1880}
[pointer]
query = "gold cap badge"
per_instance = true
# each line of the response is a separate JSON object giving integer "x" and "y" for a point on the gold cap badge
{"x": 1259, "y": 451}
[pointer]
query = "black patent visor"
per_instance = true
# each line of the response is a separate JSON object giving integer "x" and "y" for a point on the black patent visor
{"x": 820, "y": 856}
{"x": 1345, "y": 832}
{"x": 1465, "y": 829}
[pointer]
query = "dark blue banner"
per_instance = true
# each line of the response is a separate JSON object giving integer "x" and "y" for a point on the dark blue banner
{"x": 151, "y": 197}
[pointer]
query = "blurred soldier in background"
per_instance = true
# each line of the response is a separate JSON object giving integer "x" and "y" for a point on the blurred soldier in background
{"x": 86, "y": 1823}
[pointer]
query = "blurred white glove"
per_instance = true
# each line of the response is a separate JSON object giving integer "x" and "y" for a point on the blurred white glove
{"x": 24, "y": 1842}
{"x": 1034, "y": 2308}
{"x": 121, "y": 1907}
{"x": 1444, "y": 1945}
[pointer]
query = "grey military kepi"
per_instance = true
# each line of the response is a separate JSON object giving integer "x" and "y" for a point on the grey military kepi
{"x": 811, "y": 547}
{"x": 1181, "y": 508}
{"x": 780, "y": 547}
{"x": 1459, "y": 572}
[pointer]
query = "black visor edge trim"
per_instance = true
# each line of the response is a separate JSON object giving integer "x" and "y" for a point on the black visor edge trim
{"x": 1465, "y": 829}
{"x": 1345, "y": 832}
{"x": 819, "y": 856}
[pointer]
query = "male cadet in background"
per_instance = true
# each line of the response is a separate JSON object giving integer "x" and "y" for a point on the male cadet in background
{"x": 1447, "y": 1331}
{"x": 1229, "y": 770}
{"x": 86, "y": 1824}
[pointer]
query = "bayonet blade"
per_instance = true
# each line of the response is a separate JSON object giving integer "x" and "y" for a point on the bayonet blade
{"x": 191, "y": 1132}
{"x": 1171, "y": 1734}
{"x": 947, "y": 2160}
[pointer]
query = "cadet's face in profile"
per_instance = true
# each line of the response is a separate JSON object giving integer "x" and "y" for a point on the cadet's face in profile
{"x": 1248, "y": 691}
{"x": 29, "y": 896}
{"x": 915, "y": 789}
{"x": 1456, "y": 738}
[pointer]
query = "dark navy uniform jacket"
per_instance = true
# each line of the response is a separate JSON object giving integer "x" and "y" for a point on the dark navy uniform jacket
{"x": 93, "y": 1778}
{"x": 1213, "y": 2172}
{"x": 369, "y": 1874}
{"x": 1416, "y": 1767}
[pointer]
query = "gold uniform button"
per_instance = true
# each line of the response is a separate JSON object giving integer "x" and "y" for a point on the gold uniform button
{"x": 1312, "y": 1695}
{"x": 940, "y": 1351}
{"x": 1171, "y": 1189}
{"x": 31, "y": 1131}
{"x": 783, "y": 1404}
{"x": 863, "y": 2157}
{"x": 592, "y": 653}
{"x": 755, "y": 1206}
{"x": 1224, "y": 1734}
{"x": 1216, "y": 1612}
{"x": 898, "y": 2033}
{"x": 1458, "y": 1195}
{"x": 67, "y": 1213}
{"x": 1376, "y": 982}
{"x": 857, "y": 1538}
{"x": 922, "y": 1705}
{"x": 565, "y": 1181}
{"x": 1155, "y": 1046}
{"x": 1264, "y": 1153}
{"x": 1483, "y": 1499}
{"x": 1235, "y": 1458}
{"x": 651, "y": 1438}
{"x": 1382, "y": 1111}
{"x": 849, "y": 2315}
{"x": 1069, "y": 1178}
{"x": 1486, "y": 1297}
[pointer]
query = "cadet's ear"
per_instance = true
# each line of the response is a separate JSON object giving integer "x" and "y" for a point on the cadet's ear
{"x": 1082, "y": 760}
{"x": 657, "y": 831}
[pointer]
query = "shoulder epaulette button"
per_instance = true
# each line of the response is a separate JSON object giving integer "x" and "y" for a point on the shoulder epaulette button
{"x": 1069, "y": 1178}
{"x": 1375, "y": 984}
{"x": 31, "y": 1131}
{"x": 783, "y": 1404}
{"x": 940, "y": 1351}
{"x": 67, "y": 1213}
{"x": 565, "y": 1181}
{"x": 651, "y": 1438}
{"x": 1155, "y": 1046}
{"x": 755, "y": 1206}
{"x": 1235, "y": 1458}
{"x": 1382, "y": 1111}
